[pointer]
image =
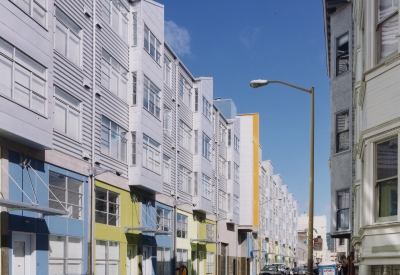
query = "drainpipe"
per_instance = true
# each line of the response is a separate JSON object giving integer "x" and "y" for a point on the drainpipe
{"x": 217, "y": 159}
{"x": 176, "y": 162}
{"x": 91, "y": 271}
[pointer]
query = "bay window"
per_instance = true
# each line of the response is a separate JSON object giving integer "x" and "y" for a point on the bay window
{"x": 151, "y": 99}
{"x": 113, "y": 141}
{"x": 67, "y": 112}
{"x": 67, "y": 37}
{"x": 343, "y": 214}
{"x": 151, "y": 157}
{"x": 184, "y": 179}
{"x": 22, "y": 78}
{"x": 115, "y": 14}
{"x": 114, "y": 76}
{"x": 386, "y": 177}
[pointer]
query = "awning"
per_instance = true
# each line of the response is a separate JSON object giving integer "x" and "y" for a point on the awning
{"x": 16, "y": 205}
{"x": 202, "y": 241}
{"x": 147, "y": 230}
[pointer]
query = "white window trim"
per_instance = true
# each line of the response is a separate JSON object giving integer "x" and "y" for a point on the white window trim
{"x": 121, "y": 17}
{"x": 30, "y": 13}
{"x": 149, "y": 87}
{"x": 185, "y": 137}
{"x": 157, "y": 45}
{"x": 182, "y": 225}
{"x": 206, "y": 187}
{"x": 121, "y": 72}
{"x": 150, "y": 146}
{"x": 107, "y": 201}
{"x": 206, "y": 108}
{"x": 66, "y": 259}
{"x": 121, "y": 137}
{"x": 107, "y": 260}
{"x": 206, "y": 147}
{"x": 184, "y": 179}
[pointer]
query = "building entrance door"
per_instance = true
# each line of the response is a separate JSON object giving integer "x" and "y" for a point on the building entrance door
{"x": 21, "y": 255}
{"x": 201, "y": 263}
{"x": 146, "y": 262}
{"x": 194, "y": 262}
{"x": 130, "y": 260}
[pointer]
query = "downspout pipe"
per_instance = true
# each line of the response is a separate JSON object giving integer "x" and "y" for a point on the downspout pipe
{"x": 92, "y": 178}
{"x": 217, "y": 184}
{"x": 176, "y": 164}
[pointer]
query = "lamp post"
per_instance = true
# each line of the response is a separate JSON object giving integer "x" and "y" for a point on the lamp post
{"x": 259, "y": 83}
{"x": 259, "y": 227}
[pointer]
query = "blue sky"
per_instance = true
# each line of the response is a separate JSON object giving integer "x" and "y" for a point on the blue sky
{"x": 238, "y": 41}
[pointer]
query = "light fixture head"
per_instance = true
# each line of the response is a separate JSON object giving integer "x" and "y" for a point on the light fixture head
{"x": 258, "y": 83}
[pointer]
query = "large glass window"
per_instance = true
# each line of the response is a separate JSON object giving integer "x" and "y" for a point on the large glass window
{"x": 65, "y": 255}
{"x": 206, "y": 108}
{"x": 34, "y": 8}
{"x": 114, "y": 76}
{"x": 115, "y": 14}
{"x": 151, "y": 157}
{"x": 206, "y": 147}
{"x": 388, "y": 21}
{"x": 67, "y": 37}
{"x": 163, "y": 261}
{"x": 210, "y": 263}
{"x": 151, "y": 99}
{"x": 206, "y": 187}
{"x": 107, "y": 207}
{"x": 107, "y": 257}
{"x": 343, "y": 218}
{"x": 184, "y": 179}
{"x": 182, "y": 226}
{"x": 342, "y": 54}
{"x": 66, "y": 193}
{"x": 67, "y": 111}
{"x": 163, "y": 219}
{"x": 386, "y": 177}
{"x": 113, "y": 141}
{"x": 342, "y": 132}
{"x": 22, "y": 78}
{"x": 166, "y": 169}
{"x": 185, "y": 94}
{"x": 185, "y": 138}
{"x": 152, "y": 45}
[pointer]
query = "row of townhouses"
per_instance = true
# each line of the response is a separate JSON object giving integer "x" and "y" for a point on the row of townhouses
{"x": 115, "y": 159}
{"x": 363, "y": 57}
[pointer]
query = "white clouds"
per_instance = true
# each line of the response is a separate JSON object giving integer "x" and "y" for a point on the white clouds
{"x": 248, "y": 36}
{"x": 177, "y": 37}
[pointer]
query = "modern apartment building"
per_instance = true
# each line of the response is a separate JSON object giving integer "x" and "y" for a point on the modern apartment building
{"x": 115, "y": 159}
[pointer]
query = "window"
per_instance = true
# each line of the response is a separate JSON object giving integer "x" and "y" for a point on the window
{"x": 222, "y": 132}
{"x": 341, "y": 241}
{"x": 163, "y": 219}
{"x": 167, "y": 124}
{"x": 134, "y": 89}
{"x": 210, "y": 263}
{"x": 343, "y": 218}
{"x": 196, "y": 184}
{"x": 67, "y": 111}
{"x": 184, "y": 179}
{"x": 22, "y": 79}
{"x": 196, "y": 141}
{"x": 210, "y": 232}
{"x": 221, "y": 166}
{"x": 196, "y": 100}
{"x": 184, "y": 91}
{"x": 134, "y": 148}
{"x": 235, "y": 204}
{"x": 67, "y": 37}
{"x": 163, "y": 261}
{"x": 107, "y": 257}
{"x": 166, "y": 169}
{"x": 151, "y": 99}
{"x": 134, "y": 29}
{"x": 342, "y": 132}
{"x": 206, "y": 187}
{"x": 206, "y": 108}
{"x": 151, "y": 157}
{"x": 65, "y": 255}
{"x": 388, "y": 20}
{"x": 152, "y": 45}
{"x": 236, "y": 172}
{"x": 113, "y": 141}
{"x": 221, "y": 201}
{"x": 182, "y": 256}
{"x": 229, "y": 202}
{"x": 66, "y": 193}
{"x": 229, "y": 170}
{"x": 107, "y": 207}
{"x": 206, "y": 147}
{"x": 182, "y": 226}
{"x": 342, "y": 54}
{"x": 236, "y": 143}
{"x": 113, "y": 76}
{"x": 229, "y": 137}
{"x": 386, "y": 177}
{"x": 184, "y": 135}
{"x": 34, "y": 8}
{"x": 115, "y": 14}
{"x": 167, "y": 71}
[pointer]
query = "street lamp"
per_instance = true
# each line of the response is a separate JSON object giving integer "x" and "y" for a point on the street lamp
{"x": 259, "y": 227}
{"x": 259, "y": 83}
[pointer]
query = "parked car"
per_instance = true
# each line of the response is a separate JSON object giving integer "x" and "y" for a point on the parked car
{"x": 270, "y": 270}
{"x": 298, "y": 271}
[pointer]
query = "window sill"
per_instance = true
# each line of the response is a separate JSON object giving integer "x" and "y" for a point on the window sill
{"x": 342, "y": 74}
{"x": 107, "y": 224}
{"x": 79, "y": 141}
{"x": 66, "y": 59}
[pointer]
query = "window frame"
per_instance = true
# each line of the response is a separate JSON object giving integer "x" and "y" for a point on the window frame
{"x": 236, "y": 205}
{"x": 133, "y": 148}
{"x": 113, "y": 66}
{"x": 163, "y": 265}
{"x": 121, "y": 133}
{"x": 339, "y": 56}
{"x": 179, "y": 256}
{"x": 184, "y": 93}
{"x": 121, "y": 17}
{"x": 181, "y": 226}
{"x": 150, "y": 90}
{"x": 66, "y": 259}
{"x": 338, "y": 133}
{"x": 221, "y": 201}
{"x": 134, "y": 89}
{"x": 167, "y": 121}
{"x": 68, "y": 106}
{"x": 167, "y": 71}
{"x": 236, "y": 171}
{"x": 184, "y": 179}
{"x": 166, "y": 171}
{"x": 107, "y": 206}
{"x": 206, "y": 108}
{"x": 236, "y": 143}
{"x": 185, "y": 137}
{"x": 378, "y": 30}
{"x": 31, "y": 8}
{"x": 339, "y": 210}
{"x": 206, "y": 146}
{"x": 163, "y": 221}
{"x": 151, "y": 146}
{"x": 134, "y": 29}
{"x": 107, "y": 260}
{"x": 157, "y": 44}
{"x": 210, "y": 262}
{"x": 206, "y": 187}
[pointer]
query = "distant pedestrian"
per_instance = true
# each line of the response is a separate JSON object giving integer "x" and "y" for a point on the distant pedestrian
{"x": 182, "y": 269}
{"x": 345, "y": 266}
